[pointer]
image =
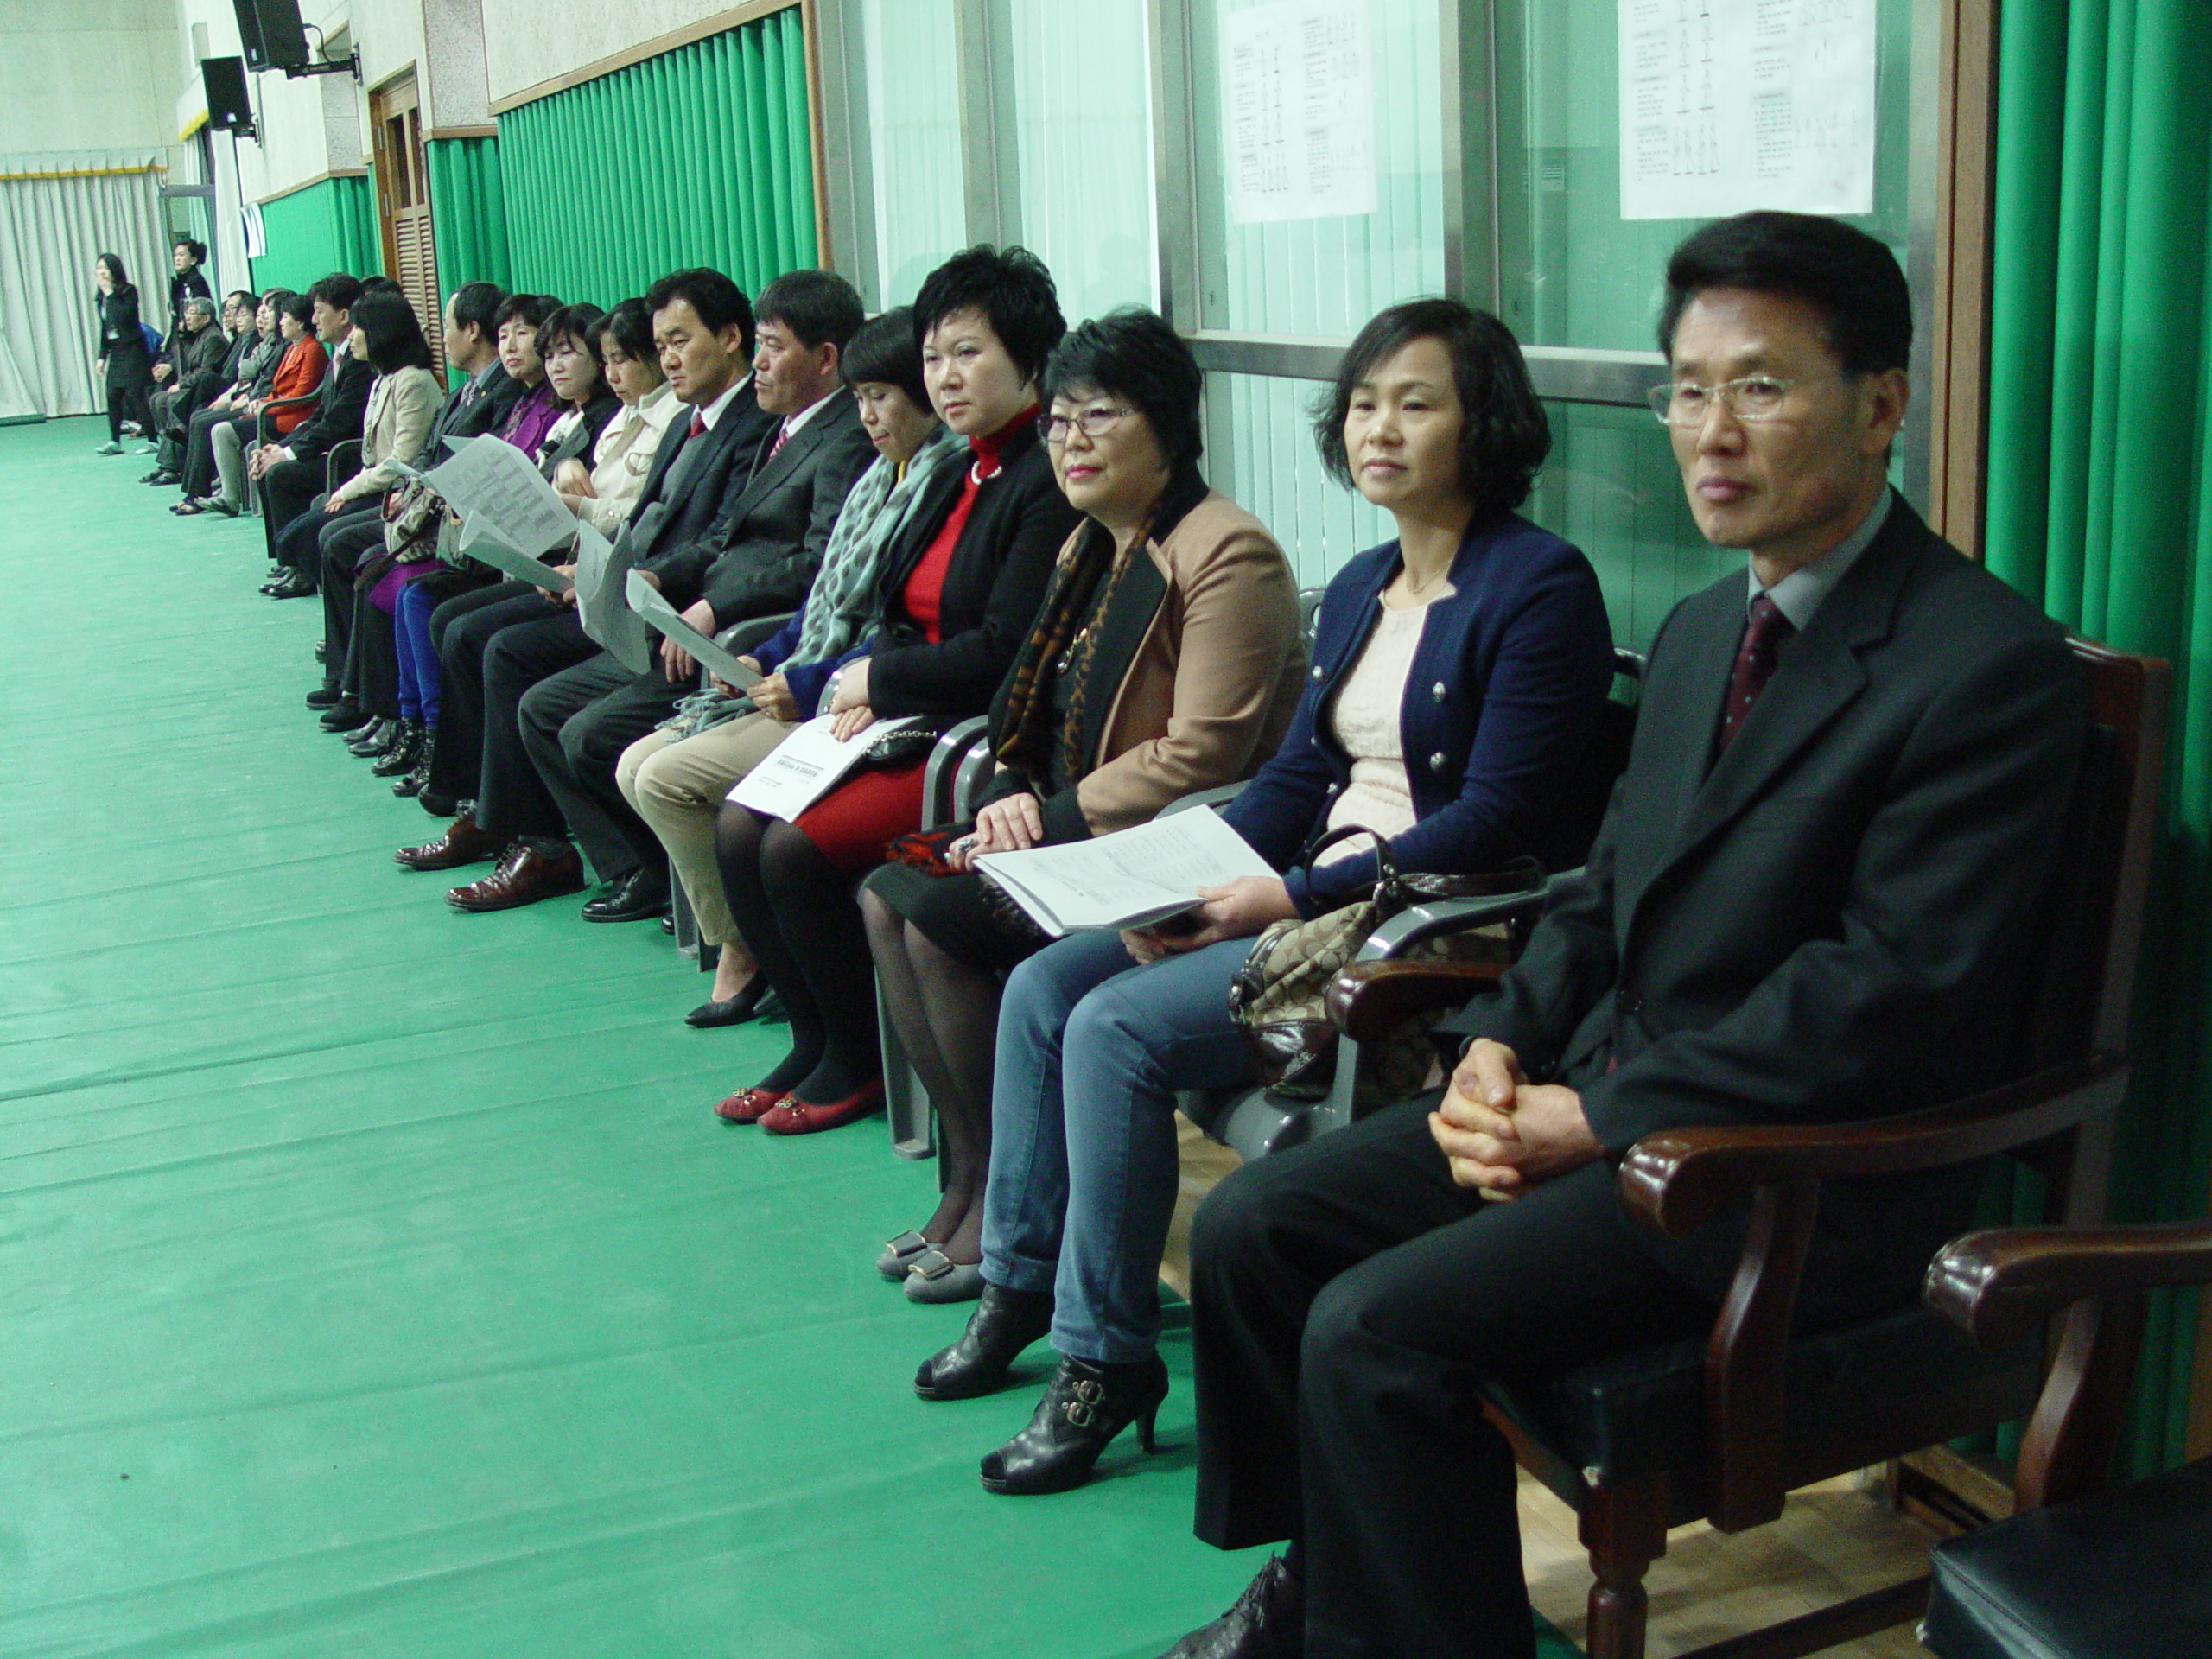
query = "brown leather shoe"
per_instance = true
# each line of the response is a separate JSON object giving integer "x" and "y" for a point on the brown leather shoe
{"x": 462, "y": 844}
{"x": 525, "y": 876}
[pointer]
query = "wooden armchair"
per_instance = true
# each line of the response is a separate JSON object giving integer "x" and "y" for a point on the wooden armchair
{"x": 1723, "y": 1429}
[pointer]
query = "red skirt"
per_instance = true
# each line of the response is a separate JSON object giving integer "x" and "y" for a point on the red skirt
{"x": 853, "y": 822}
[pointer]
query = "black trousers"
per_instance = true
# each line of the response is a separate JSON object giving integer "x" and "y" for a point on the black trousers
{"x": 289, "y": 490}
{"x": 130, "y": 403}
{"x": 575, "y": 726}
{"x": 341, "y": 546}
{"x": 199, "y": 467}
{"x": 460, "y": 627}
{"x": 1345, "y": 1298}
{"x": 512, "y": 799}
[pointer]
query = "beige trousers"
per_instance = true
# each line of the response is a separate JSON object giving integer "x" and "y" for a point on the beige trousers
{"x": 677, "y": 788}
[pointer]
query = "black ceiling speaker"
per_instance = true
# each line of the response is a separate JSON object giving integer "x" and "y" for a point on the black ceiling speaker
{"x": 272, "y": 34}
{"x": 229, "y": 110}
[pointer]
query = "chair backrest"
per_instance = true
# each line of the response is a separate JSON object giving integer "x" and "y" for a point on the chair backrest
{"x": 1309, "y": 610}
{"x": 1607, "y": 756}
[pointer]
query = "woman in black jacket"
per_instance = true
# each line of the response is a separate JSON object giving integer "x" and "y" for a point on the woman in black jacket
{"x": 957, "y": 598}
{"x": 126, "y": 368}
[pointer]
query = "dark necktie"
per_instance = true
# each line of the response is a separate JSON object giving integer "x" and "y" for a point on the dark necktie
{"x": 1765, "y": 629}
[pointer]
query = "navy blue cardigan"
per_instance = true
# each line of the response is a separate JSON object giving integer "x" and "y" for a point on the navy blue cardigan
{"x": 1496, "y": 720}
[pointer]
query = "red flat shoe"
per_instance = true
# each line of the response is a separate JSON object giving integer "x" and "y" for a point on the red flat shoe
{"x": 796, "y": 1116}
{"x": 749, "y": 1105}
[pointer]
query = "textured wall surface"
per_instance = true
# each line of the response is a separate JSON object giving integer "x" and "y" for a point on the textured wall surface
{"x": 521, "y": 50}
{"x": 88, "y": 75}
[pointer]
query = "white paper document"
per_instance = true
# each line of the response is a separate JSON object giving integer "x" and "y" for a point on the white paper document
{"x": 602, "y": 600}
{"x": 1726, "y": 105}
{"x": 480, "y": 541}
{"x": 490, "y": 477}
{"x": 645, "y": 601}
{"x": 1132, "y": 878}
{"x": 1297, "y": 109}
{"x": 806, "y": 765}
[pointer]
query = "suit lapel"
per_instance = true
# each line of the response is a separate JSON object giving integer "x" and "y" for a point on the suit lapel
{"x": 772, "y": 469}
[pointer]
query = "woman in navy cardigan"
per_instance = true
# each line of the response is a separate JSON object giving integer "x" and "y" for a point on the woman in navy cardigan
{"x": 1457, "y": 675}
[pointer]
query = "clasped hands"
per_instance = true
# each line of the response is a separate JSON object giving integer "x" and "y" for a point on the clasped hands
{"x": 1503, "y": 1135}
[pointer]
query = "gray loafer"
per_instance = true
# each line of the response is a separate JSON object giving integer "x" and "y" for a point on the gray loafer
{"x": 934, "y": 1277}
{"x": 899, "y": 1254}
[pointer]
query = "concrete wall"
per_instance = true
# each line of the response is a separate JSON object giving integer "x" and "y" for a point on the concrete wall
{"x": 523, "y": 47}
{"x": 88, "y": 75}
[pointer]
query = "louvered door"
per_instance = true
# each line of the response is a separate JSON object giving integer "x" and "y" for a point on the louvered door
{"x": 404, "y": 205}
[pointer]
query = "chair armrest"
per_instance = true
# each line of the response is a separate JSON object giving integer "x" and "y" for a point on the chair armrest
{"x": 1435, "y": 918}
{"x": 1672, "y": 1180}
{"x": 1214, "y": 797}
{"x": 343, "y": 462}
{"x": 942, "y": 775}
{"x": 1369, "y": 1000}
{"x": 277, "y": 406}
{"x": 741, "y": 637}
{"x": 1999, "y": 1284}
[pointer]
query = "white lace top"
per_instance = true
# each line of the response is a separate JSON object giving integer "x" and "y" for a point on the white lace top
{"x": 1364, "y": 719}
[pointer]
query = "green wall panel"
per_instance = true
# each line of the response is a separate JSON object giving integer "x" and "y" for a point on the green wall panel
{"x": 468, "y": 212}
{"x": 330, "y": 226}
{"x": 699, "y": 156}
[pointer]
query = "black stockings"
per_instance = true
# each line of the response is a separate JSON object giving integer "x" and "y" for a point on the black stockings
{"x": 946, "y": 1013}
{"x": 798, "y": 915}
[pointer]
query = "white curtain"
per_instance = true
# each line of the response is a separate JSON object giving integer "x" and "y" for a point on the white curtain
{"x": 59, "y": 211}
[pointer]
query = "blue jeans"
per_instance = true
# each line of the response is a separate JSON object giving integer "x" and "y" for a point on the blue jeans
{"x": 418, "y": 662}
{"x": 1092, "y": 1051}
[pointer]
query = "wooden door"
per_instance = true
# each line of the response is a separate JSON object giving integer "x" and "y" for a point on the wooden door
{"x": 404, "y": 205}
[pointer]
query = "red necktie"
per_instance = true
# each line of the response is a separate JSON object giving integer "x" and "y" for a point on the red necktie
{"x": 698, "y": 424}
{"x": 1765, "y": 628}
{"x": 783, "y": 432}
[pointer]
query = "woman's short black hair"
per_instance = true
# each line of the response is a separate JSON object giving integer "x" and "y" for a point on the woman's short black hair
{"x": 883, "y": 349}
{"x": 533, "y": 309}
{"x": 1012, "y": 291}
{"x": 197, "y": 249}
{"x": 300, "y": 308}
{"x": 579, "y": 322}
{"x": 1133, "y": 354}
{"x": 629, "y": 326}
{"x": 1852, "y": 280}
{"x": 114, "y": 271}
{"x": 391, "y": 332}
{"x": 1504, "y": 434}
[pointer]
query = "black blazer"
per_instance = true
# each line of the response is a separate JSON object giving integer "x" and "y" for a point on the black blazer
{"x": 993, "y": 586}
{"x": 120, "y": 341}
{"x": 711, "y": 487}
{"x": 199, "y": 365}
{"x": 337, "y": 419}
{"x": 1829, "y": 923}
{"x": 769, "y": 549}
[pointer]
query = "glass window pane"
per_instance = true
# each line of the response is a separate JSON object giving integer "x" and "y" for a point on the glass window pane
{"x": 913, "y": 112}
{"x": 1572, "y": 271}
{"x": 1081, "y": 96}
{"x": 1260, "y": 453}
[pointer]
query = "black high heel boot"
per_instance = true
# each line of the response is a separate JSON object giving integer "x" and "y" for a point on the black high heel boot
{"x": 418, "y": 778}
{"x": 399, "y": 758}
{"x": 1085, "y": 1405}
{"x": 1004, "y": 1323}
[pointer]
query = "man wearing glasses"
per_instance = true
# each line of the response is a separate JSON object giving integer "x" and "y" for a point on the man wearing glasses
{"x": 1809, "y": 902}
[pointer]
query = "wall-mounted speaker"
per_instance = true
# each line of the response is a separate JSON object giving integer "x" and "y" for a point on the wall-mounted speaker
{"x": 272, "y": 34}
{"x": 229, "y": 109}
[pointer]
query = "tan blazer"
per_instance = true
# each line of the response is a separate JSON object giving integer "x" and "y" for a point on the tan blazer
{"x": 1214, "y": 679}
{"x": 402, "y": 405}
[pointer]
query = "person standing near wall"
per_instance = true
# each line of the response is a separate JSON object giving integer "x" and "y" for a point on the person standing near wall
{"x": 125, "y": 367}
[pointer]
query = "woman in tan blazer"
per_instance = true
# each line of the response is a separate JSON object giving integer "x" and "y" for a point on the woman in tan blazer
{"x": 1167, "y": 658}
{"x": 403, "y": 399}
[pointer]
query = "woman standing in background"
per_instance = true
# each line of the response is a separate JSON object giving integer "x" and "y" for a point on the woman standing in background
{"x": 125, "y": 367}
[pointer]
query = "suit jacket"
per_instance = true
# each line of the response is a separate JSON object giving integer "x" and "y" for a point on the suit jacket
{"x": 992, "y": 587}
{"x": 401, "y": 406}
{"x": 663, "y": 523}
{"x": 769, "y": 549}
{"x": 1196, "y": 670}
{"x": 337, "y": 418}
{"x": 1828, "y": 922}
{"x": 1495, "y": 723}
{"x": 200, "y": 364}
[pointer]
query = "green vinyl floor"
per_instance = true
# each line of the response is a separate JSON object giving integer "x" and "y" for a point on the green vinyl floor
{"x": 374, "y": 1280}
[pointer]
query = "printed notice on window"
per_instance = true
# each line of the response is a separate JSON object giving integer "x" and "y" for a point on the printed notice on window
{"x": 1297, "y": 110}
{"x": 1732, "y": 105}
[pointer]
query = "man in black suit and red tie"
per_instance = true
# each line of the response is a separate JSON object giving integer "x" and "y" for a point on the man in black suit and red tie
{"x": 1808, "y": 903}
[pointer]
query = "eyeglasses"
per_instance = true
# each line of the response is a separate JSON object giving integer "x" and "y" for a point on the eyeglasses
{"x": 1094, "y": 422}
{"x": 1753, "y": 397}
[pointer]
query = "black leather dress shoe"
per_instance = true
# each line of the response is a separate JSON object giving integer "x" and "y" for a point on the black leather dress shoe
{"x": 324, "y": 696}
{"x": 731, "y": 1010}
{"x": 374, "y": 738}
{"x": 347, "y": 716}
{"x": 637, "y": 897}
{"x": 1267, "y": 1620}
{"x": 292, "y": 586}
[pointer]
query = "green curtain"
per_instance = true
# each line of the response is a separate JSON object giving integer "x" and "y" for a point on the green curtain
{"x": 468, "y": 211}
{"x": 698, "y": 156}
{"x": 2100, "y": 502}
{"x": 330, "y": 226}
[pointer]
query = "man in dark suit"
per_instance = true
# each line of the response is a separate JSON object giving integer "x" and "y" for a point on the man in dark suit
{"x": 576, "y": 725}
{"x": 194, "y": 366}
{"x": 702, "y": 323}
{"x": 1808, "y": 903}
{"x": 475, "y": 406}
{"x": 291, "y": 471}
